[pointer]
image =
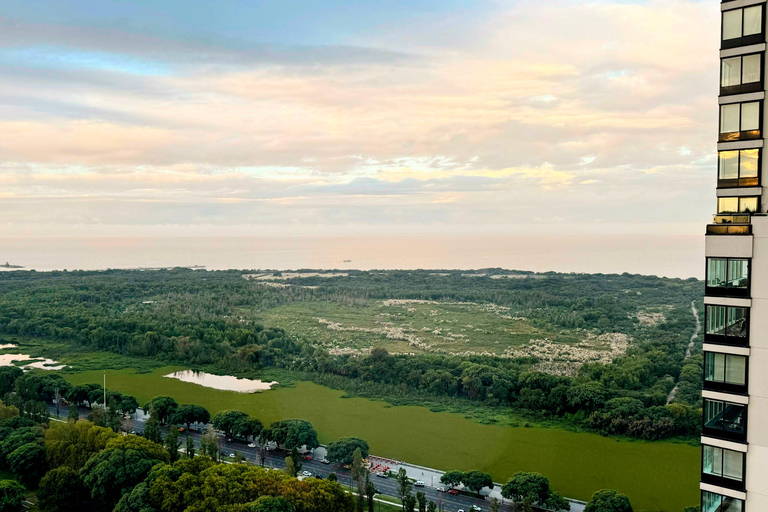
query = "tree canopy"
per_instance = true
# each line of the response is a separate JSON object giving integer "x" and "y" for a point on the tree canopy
{"x": 608, "y": 500}
{"x": 343, "y": 450}
{"x": 294, "y": 433}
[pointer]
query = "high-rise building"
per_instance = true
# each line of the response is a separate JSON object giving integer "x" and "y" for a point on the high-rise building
{"x": 734, "y": 470}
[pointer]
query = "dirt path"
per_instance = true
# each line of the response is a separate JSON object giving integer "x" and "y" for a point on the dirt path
{"x": 688, "y": 350}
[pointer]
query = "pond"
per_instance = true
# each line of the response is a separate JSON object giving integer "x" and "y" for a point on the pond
{"x": 36, "y": 362}
{"x": 222, "y": 382}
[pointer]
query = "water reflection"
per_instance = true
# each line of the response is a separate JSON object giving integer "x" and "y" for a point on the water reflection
{"x": 37, "y": 362}
{"x": 223, "y": 382}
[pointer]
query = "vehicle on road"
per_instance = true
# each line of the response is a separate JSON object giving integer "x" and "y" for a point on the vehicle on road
{"x": 381, "y": 474}
{"x": 306, "y": 473}
{"x": 474, "y": 508}
{"x": 182, "y": 429}
{"x": 453, "y": 492}
{"x": 325, "y": 461}
{"x": 441, "y": 489}
{"x": 307, "y": 457}
{"x": 251, "y": 445}
{"x": 232, "y": 455}
{"x": 419, "y": 483}
{"x": 229, "y": 439}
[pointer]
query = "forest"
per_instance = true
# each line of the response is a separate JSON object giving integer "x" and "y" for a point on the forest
{"x": 210, "y": 319}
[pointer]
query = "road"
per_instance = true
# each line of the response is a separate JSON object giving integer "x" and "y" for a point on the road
{"x": 276, "y": 459}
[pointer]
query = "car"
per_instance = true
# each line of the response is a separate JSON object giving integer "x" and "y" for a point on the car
{"x": 453, "y": 492}
{"x": 460, "y": 510}
{"x": 181, "y": 429}
{"x": 306, "y": 473}
{"x": 252, "y": 445}
{"x": 381, "y": 474}
{"x": 133, "y": 432}
{"x": 232, "y": 455}
{"x": 419, "y": 483}
{"x": 229, "y": 439}
{"x": 325, "y": 461}
{"x": 307, "y": 457}
{"x": 441, "y": 489}
{"x": 475, "y": 508}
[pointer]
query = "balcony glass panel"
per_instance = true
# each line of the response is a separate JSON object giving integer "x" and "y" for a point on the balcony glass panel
{"x": 735, "y": 370}
{"x": 711, "y": 502}
{"x": 716, "y": 272}
{"x": 750, "y": 69}
{"x": 748, "y": 163}
{"x": 730, "y": 73}
{"x": 729, "y": 118}
{"x": 750, "y": 116}
{"x": 753, "y": 20}
{"x": 737, "y": 323}
{"x": 738, "y": 273}
{"x": 723, "y": 418}
{"x": 732, "y": 24}
{"x": 716, "y": 316}
{"x": 733, "y": 465}
{"x": 728, "y": 205}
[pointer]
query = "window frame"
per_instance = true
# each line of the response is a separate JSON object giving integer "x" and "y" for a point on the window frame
{"x": 741, "y": 134}
{"x": 743, "y": 88}
{"x": 739, "y": 209}
{"x": 741, "y": 182}
{"x": 703, "y": 492}
{"x": 723, "y": 481}
{"x": 743, "y": 40}
{"x": 723, "y": 433}
{"x": 724, "y": 386}
{"x": 726, "y": 291}
{"x": 725, "y": 339}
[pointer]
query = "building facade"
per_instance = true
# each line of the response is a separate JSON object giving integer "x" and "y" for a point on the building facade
{"x": 734, "y": 471}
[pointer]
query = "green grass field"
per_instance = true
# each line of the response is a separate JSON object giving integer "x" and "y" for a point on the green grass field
{"x": 657, "y": 476}
{"x": 409, "y": 326}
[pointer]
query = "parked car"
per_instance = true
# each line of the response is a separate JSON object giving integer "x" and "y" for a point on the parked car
{"x": 419, "y": 483}
{"x": 252, "y": 445}
{"x": 453, "y": 492}
{"x": 325, "y": 461}
{"x": 307, "y": 457}
{"x": 232, "y": 455}
{"x": 475, "y": 508}
{"x": 306, "y": 473}
{"x": 441, "y": 489}
{"x": 381, "y": 474}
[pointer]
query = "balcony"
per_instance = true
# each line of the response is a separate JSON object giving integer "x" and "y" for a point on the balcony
{"x": 730, "y": 224}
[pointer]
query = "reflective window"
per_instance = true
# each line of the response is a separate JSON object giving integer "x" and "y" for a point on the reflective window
{"x": 738, "y": 168}
{"x": 711, "y": 502}
{"x": 740, "y": 121}
{"x": 725, "y": 276}
{"x": 725, "y": 417}
{"x": 746, "y": 24}
{"x": 727, "y": 321}
{"x": 745, "y": 204}
{"x": 725, "y": 368}
{"x": 740, "y": 70}
{"x": 723, "y": 463}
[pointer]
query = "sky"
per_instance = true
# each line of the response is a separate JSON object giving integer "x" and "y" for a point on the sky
{"x": 333, "y": 117}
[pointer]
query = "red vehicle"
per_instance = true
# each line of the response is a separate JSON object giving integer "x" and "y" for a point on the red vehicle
{"x": 307, "y": 457}
{"x": 453, "y": 491}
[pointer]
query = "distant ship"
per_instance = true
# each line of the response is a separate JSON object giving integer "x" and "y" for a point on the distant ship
{"x": 8, "y": 265}
{"x": 347, "y": 261}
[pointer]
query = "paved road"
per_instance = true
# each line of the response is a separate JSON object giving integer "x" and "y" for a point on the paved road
{"x": 276, "y": 459}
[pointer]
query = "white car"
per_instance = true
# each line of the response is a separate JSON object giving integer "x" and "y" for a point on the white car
{"x": 419, "y": 483}
{"x": 306, "y": 473}
{"x": 325, "y": 461}
{"x": 441, "y": 489}
{"x": 475, "y": 508}
{"x": 232, "y": 455}
{"x": 252, "y": 445}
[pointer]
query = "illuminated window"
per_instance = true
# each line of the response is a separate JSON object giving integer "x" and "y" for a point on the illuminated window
{"x": 738, "y": 168}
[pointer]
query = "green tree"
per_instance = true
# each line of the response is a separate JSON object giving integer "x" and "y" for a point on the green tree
{"x": 8, "y": 377}
{"x": 12, "y": 495}
{"x": 421, "y": 499}
{"x": 269, "y": 504}
{"x": 97, "y": 417}
{"x": 28, "y": 463}
{"x": 332, "y": 477}
{"x": 290, "y": 468}
{"x": 73, "y": 414}
{"x": 495, "y": 505}
{"x": 370, "y": 493}
{"x": 557, "y": 502}
{"x": 359, "y": 475}
{"x": 152, "y": 430}
{"x": 409, "y": 504}
{"x": 248, "y": 428}
{"x": 62, "y": 490}
{"x": 209, "y": 443}
{"x": 404, "y": 485}
{"x": 164, "y": 406}
{"x": 432, "y": 507}
{"x": 227, "y": 421}
{"x": 342, "y": 451}
{"x": 524, "y": 485}
{"x": 294, "y": 433}
{"x": 72, "y": 444}
{"x": 476, "y": 481}
{"x": 608, "y": 500}
{"x": 124, "y": 463}
{"x": 190, "y": 447}
{"x": 172, "y": 443}
{"x": 190, "y": 413}
{"x": 452, "y": 478}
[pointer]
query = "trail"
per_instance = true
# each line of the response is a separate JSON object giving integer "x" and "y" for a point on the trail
{"x": 688, "y": 350}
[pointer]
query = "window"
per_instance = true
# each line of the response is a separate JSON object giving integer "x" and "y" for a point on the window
{"x": 743, "y": 204}
{"x": 738, "y": 168}
{"x": 722, "y": 464}
{"x": 711, "y": 502}
{"x": 725, "y": 324}
{"x": 725, "y": 419}
{"x": 725, "y": 372}
{"x": 740, "y": 121}
{"x": 727, "y": 277}
{"x": 742, "y": 27}
{"x": 741, "y": 74}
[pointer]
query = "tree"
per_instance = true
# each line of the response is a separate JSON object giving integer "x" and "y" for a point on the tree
{"x": 409, "y": 503}
{"x": 172, "y": 443}
{"x": 269, "y": 504}
{"x": 294, "y": 433}
{"x": 608, "y": 500}
{"x": 332, "y": 477}
{"x": 290, "y": 469}
{"x": 404, "y": 485}
{"x": 227, "y": 421}
{"x": 421, "y": 498}
{"x": 190, "y": 448}
{"x": 124, "y": 463}
{"x": 12, "y": 495}
{"x": 164, "y": 406}
{"x": 73, "y": 414}
{"x": 248, "y": 428}
{"x": 359, "y": 474}
{"x": 342, "y": 450}
{"x": 190, "y": 413}
{"x": 62, "y": 490}
{"x": 8, "y": 377}
{"x": 97, "y": 417}
{"x": 152, "y": 430}
{"x": 557, "y": 502}
{"x": 72, "y": 444}
{"x": 28, "y": 463}
{"x": 370, "y": 492}
{"x": 432, "y": 507}
{"x": 114, "y": 419}
{"x": 296, "y": 460}
{"x": 524, "y": 485}
{"x": 452, "y": 478}
{"x": 209, "y": 443}
{"x": 476, "y": 481}
{"x": 495, "y": 505}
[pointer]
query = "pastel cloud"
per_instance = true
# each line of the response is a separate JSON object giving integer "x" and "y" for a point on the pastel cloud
{"x": 531, "y": 102}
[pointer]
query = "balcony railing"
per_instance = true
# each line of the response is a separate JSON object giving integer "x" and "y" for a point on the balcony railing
{"x": 730, "y": 224}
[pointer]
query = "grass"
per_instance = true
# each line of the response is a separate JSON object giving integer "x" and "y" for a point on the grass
{"x": 448, "y": 326}
{"x": 657, "y": 476}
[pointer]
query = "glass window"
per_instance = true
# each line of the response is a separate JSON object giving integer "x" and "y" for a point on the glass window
{"x": 725, "y": 368}
{"x": 738, "y": 273}
{"x": 727, "y": 204}
{"x": 737, "y": 322}
{"x": 750, "y": 116}
{"x": 729, "y": 118}
{"x": 716, "y": 316}
{"x": 711, "y": 502}
{"x": 748, "y": 163}
{"x": 727, "y": 276}
{"x": 742, "y": 23}
{"x": 753, "y": 20}
{"x": 732, "y": 24}
{"x": 716, "y": 272}
{"x": 724, "y": 416}
{"x": 739, "y": 164}
{"x": 750, "y": 69}
{"x": 729, "y": 165}
{"x": 730, "y": 73}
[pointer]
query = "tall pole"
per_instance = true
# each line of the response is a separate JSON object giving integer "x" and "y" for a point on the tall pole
{"x": 105, "y": 391}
